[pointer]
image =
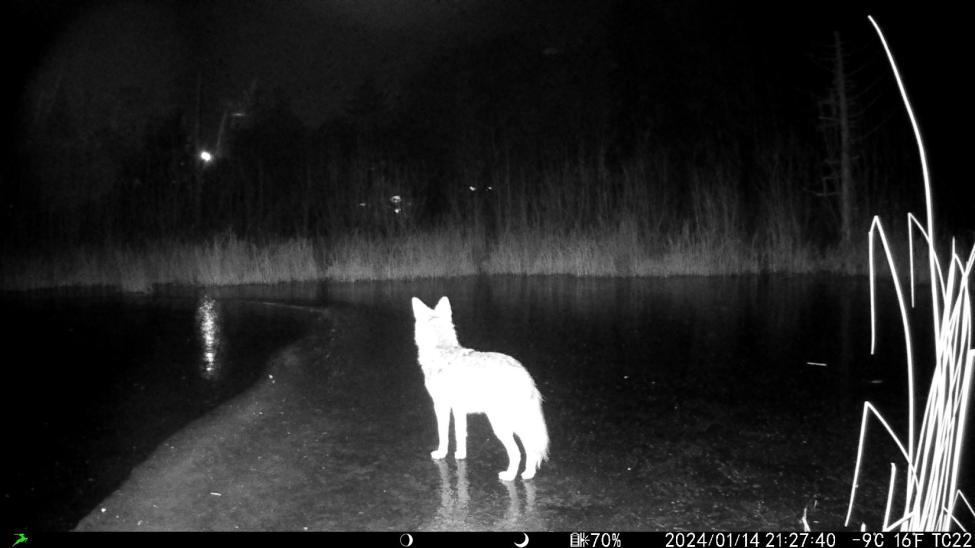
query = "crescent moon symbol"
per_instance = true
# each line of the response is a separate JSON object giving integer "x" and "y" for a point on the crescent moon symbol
{"x": 406, "y": 540}
{"x": 524, "y": 542}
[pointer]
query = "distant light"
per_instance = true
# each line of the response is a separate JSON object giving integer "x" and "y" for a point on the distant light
{"x": 395, "y": 199}
{"x": 206, "y": 156}
{"x": 472, "y": 188}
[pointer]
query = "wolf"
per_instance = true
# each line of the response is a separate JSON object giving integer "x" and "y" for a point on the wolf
{"x": 463, "y": 381}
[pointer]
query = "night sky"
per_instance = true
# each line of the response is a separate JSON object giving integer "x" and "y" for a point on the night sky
{"x": 145, "y": 58}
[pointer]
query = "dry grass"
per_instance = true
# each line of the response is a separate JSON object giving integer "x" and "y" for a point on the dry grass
{"x": 228, "y": 260}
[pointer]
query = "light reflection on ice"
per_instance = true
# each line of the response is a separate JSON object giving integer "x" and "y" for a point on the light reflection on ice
{"x": 208, "y": 317}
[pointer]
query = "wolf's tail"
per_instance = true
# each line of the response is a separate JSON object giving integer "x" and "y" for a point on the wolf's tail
{"x": 532, "y": 432}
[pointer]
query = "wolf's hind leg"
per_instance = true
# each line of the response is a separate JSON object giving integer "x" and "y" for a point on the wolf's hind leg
{"x": 460, "y": 434}
{"x": 506, "y": 435}
{"x": 531, "y": 466}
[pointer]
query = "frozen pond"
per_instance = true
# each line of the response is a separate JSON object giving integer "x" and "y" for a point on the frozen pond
{"x": 682, "y": 403}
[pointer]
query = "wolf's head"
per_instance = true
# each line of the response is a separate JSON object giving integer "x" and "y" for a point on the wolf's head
{"x": 434, "y": 327}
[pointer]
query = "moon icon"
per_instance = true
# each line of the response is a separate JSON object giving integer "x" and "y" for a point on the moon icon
{"x": 523, "y": 543}
{"x": 406, "y": 540}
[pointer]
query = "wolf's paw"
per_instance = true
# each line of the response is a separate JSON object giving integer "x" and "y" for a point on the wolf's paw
{"x": 438, "y": 454}
{"x": 506, "y": 476}
{"x": 528, "y": 474}
{"x": 460, "y": 455}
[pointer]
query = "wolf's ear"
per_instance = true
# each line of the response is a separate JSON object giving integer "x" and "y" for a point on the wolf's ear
{"x": 443, "y": 306}
{"x": 420, "y": 310}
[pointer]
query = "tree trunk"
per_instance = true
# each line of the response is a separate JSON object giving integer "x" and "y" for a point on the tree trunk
{"x": 846, "y": 170}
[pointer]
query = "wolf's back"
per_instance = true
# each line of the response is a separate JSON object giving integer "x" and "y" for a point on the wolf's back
{"x": 478, "y": 382}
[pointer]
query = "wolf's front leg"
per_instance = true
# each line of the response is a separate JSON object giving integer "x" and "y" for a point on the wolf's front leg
{"x": 443, "y": 429}
{"x": 460, "y": 432}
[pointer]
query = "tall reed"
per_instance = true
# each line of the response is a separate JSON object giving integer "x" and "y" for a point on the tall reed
{"x": 933, "y": 454}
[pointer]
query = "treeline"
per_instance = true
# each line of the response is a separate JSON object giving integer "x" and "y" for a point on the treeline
{"x": 499, "y": 141}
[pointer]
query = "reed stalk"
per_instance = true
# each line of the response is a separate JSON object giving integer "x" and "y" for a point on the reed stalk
{"x": 933, "y": 452}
